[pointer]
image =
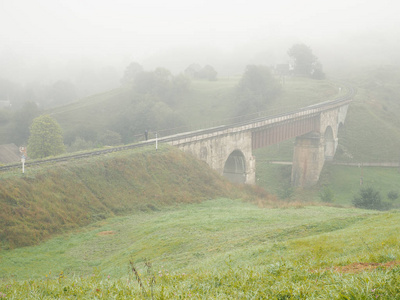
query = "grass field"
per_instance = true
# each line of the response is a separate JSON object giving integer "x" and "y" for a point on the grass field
{"x": 218, "y": 249}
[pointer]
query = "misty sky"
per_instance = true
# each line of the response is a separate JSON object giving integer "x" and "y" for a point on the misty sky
{"x": 107, "y": 29}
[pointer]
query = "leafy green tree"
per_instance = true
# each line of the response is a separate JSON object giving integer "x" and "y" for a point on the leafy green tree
{"x": 256, "y": 89}
{"x": 192, "y": 70}
{"x": 304, "y": 59}
{"x": 326, "y": 195}
{"x": 317, "y": 72}
{"x": 208, "y": 72}
{"x": 368, "y": 198}
{"x": 46, "y": 138}
{"x": 392, "y": 195}
{"x": 131, "y": 71}
{"x": 160, "y": 85}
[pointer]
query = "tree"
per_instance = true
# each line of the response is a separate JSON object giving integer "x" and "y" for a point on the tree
{"x": 393, "y": 195}
{"x": 208, "y": 72}
{"x": 192, "y": 70}
{"x": 317, "y": 72}
{"x": 196, "y": 71}
{"x": 368, "y": 198}
{"x": 45, "y": 137}
{"x": 131, "y": 71}
{"x": 256, "y": 89}
{"x": 326, "y": 195}
{"x": 161, "y": 85}
{"x": 304, "y": 59}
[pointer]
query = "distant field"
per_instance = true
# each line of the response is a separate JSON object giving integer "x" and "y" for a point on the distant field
{"x": 217, "y": 249}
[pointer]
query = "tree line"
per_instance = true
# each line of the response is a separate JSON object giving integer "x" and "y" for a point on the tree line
{"x": 153, "y": 96}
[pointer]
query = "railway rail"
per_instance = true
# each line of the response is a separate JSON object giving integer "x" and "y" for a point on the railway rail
{"x": 305, "y": 111}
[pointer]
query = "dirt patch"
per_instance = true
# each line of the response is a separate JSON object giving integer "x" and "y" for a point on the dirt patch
{"x": 106, "y": 232}
{"x": 361, "y": 267}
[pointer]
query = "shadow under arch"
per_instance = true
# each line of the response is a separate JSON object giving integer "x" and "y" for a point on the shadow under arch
{"x": 329, "y": 143}
{"x": 235, "y": 167}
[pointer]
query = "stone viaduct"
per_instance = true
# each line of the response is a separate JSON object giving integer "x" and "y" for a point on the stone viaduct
{"x": 229, "y": 149}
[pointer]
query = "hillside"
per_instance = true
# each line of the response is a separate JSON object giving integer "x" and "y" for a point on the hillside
{"x": 205, "y": 104}
{"x": 56, "y": 198}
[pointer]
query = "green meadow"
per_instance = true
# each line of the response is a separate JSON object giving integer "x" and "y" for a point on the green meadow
{"x": 216, "y": 249}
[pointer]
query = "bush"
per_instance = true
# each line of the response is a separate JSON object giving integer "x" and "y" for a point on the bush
{"x": 326, "y": 195}
{"x": 368, "y": 198}
{"x": 393, "y": 195}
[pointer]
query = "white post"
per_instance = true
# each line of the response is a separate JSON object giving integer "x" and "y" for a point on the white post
{"x": 23, "y": 164}
{"x": 156, "y": 142}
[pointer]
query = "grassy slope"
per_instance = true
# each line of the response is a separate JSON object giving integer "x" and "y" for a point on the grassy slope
{"x": 217, "y": 248}
{"x": 47, "y": 200}
{"x": 369, "y": 134}
{"x": 93, "y": 111}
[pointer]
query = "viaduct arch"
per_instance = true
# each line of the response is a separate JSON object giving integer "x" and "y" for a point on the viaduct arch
{"x": 229, "y": 149}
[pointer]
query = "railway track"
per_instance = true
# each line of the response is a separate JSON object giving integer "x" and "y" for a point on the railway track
{"x": 312, "y": 109}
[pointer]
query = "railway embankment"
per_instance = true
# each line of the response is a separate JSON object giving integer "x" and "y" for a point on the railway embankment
{"x": 50, "y": 199}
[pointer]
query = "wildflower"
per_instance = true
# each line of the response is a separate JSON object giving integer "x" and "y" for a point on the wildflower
{"x": 108, "y": 276}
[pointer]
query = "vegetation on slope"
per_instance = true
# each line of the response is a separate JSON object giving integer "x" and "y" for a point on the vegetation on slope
{"x": 217, "y": 249}
{"x": 51, "y": 199}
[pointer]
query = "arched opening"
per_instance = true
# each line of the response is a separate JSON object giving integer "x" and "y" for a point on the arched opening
{"x": 329, "y": 142}
{"x": 235, "y": 167}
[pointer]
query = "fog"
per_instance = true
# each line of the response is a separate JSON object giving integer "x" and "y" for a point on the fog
{"x": 49, "y": 40}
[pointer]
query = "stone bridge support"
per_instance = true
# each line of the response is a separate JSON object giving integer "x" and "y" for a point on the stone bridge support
{"x": 314, "y": 148}
{"x": 229, "y": 154}
{"x": 308, "y": 159}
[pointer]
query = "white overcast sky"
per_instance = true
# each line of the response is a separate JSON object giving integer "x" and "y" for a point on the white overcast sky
{"x": 117, "y": 26}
